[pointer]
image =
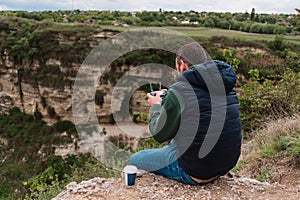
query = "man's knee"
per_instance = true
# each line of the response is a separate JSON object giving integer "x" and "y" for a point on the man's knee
{"x": 134, "y": 158}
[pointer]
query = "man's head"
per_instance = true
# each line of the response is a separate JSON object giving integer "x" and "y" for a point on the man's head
{"x": 189, "y": 55}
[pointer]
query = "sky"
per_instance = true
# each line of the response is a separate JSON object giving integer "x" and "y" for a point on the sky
{"x": 261, "y": 6}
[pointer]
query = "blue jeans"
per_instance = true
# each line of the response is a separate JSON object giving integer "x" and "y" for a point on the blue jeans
{"x": 162, "y": 161}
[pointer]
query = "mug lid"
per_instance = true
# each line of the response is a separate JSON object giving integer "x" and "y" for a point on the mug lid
{"x": 130, "y": 169}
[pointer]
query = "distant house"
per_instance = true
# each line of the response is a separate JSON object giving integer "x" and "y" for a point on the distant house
{"x": 120, "y": 24}
{"x": 287, "y": 24}
{"x": 65, "y": 19}
{"x": 133, "y": 13}
{"x": 195, "y": 22}
{"x": 193, "y": 12}
{"x": 185, "y": 22}
{"x": 117, "y": 24}
{"x": 204, "y": 14}
{"x": 175, "y": 18}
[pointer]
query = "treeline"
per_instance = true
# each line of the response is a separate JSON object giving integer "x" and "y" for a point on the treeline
{"x": 248, "y": 22}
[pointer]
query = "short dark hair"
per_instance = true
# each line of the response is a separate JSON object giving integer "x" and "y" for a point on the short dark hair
{"x": 192, "y": 53}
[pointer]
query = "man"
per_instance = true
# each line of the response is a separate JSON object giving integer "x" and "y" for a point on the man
{"x": 199, "y": 116}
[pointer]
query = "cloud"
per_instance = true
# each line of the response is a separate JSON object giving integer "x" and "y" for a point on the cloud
{"x": 31, "y": 5}
{"x": 265, "y": 6}
{"x": 3, "y": 7}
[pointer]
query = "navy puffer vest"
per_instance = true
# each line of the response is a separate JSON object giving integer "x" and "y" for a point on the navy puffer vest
{"x": 210, "y": 112}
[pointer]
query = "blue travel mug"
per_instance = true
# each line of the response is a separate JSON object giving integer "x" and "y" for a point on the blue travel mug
{"x": 130, "y": 174}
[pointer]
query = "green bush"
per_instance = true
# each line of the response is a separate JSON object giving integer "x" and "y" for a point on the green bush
{"x": 230, "y": 58}
{"x": 280, "y": 30}
{"x": 37, "y": 114}
{"x": 275, "y": 99}
{"x": 43, "y": 102}
{"x": 278, "y": 146}
{"x": 32, "y": 141}
{"x": 51, "y": 111}
{"x": 99, "y": 98}
{"x": 293, "y": 147}
{"x": 148, "y": 143}
{"x": 65, "y": 126}
{"x": 278, "y": 45}
{"x": 268, "y": 28}
{"x": 139, "y": 117}
{"x": 50, "y": 76}
{"x": 266, "y": 174}
{"x": 256, "y": 28}
{"x": 60, "y": 172}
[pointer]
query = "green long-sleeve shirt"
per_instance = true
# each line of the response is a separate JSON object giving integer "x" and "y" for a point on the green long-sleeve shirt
{"x": 165, "y": 117}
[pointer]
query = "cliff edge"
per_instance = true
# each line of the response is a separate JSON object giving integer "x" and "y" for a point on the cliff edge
{"x": 150, "y": 186}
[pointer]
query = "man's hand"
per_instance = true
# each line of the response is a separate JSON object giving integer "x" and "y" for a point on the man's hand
{"x": 154, "y": 99}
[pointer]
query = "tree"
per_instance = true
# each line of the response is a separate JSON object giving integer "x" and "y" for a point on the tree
{"x": 209, "y": 23}
{"x": 241, "y": 16}
{"x": 37, "y": 114}
{"x": 256, "y": 28}
{"x": 51, "y": 112}
{"x": 246, "y": 15}
{"x": 256, "y": 18}
{"x": 236, "y": 25}
{"x": 297, "y": 21}
{"x": 268, "y": 29}
{"x": 246, "y": 26}
{"x": 280, "y": 30}
{"x": 252, "y": 15}
{"x": 43, "y": 102}
{"x": 224, "y": 24}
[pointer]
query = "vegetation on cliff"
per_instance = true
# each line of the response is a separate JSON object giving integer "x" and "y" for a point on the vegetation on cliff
{"x": 29, "y": 163}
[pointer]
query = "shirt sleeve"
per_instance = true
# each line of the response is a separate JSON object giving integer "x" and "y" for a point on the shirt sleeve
{"x": 165, "y": 118}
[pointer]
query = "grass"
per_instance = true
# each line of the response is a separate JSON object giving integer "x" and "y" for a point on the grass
{"x": 208, "y": 33}
{"x": 266, "y": 174}
{"x": 278, "y": 137}
{"x": 71, "y": 28}
{"x": 203, "y": 32}
{"x": 273, "y": 147}
{"x": 118, "y": 28}
{"x": 240, "y": 165}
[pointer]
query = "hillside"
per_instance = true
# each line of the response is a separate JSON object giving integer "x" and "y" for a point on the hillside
{"x": 39, "y": 147}
{"x": 40, "y": 61}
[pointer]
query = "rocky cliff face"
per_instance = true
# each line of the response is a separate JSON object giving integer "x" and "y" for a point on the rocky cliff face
{"x": 46, "y": 86}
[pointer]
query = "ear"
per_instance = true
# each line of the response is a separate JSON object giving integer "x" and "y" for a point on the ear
{"x": 183, "y": 66}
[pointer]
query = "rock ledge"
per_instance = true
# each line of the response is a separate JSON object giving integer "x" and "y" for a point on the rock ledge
{"x": 150, "y": 186}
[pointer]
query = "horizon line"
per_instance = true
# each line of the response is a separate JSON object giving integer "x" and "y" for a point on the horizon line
{"x": 163, "y": 10}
